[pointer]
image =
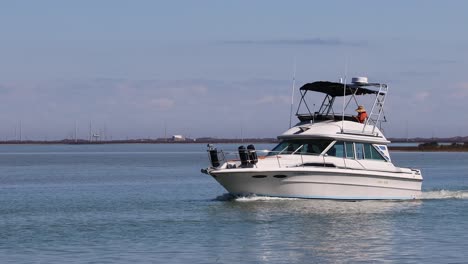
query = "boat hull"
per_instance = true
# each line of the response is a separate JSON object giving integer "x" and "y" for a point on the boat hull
{"x": 331, "y": 184}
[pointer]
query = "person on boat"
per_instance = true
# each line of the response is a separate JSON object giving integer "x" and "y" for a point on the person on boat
{"x": 362, "y": 115}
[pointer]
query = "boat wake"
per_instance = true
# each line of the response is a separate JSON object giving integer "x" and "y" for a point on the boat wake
{"x": 444, "y": 194}
{"x": 428, "y": 195}
{"x": 251, "y": 198}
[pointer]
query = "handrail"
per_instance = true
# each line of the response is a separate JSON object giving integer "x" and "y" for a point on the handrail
{"x": 297, "y": 149}
{"x": 224, "y": 156}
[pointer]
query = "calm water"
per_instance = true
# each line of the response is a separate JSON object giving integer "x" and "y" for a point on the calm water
{"x": 151, "y": 204}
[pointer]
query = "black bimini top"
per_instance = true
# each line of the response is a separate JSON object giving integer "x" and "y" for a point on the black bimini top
{"x": 336, "y": 89}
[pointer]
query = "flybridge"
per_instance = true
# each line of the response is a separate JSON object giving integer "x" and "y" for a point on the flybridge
{"x": 349, "y": 92}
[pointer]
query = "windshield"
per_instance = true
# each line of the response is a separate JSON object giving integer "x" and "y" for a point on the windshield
{"x": 301, "y": 146}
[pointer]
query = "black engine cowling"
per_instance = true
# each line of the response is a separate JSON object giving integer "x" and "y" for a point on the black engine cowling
{"x": 252, "y": 154}
{"x": 243, "y": 156}
{"x": 214, "y": 158}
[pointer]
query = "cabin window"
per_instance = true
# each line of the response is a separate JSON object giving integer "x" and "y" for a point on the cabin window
{"x": 337, "y": 150}
{"x": 349, "y": 150}
{"x": 371, "y": 153}
{"x": 367, "y": 151}
{"x": 342, "y": 150}
{"x": 352, "y": 150}
{"x": 359, "y": 150}
{"x": 302, "y": 146}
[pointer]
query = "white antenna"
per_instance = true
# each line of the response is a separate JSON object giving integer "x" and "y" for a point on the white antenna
{"x": 344, "y": 95}
{"x": 292, "y": 94}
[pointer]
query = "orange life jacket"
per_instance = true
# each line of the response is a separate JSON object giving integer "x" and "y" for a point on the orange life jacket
{"x": 362, "y": 117}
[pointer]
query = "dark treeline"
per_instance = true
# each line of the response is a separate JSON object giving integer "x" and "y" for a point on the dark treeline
{"x": 433, "y": 146}
{"x": 428, "y": 140}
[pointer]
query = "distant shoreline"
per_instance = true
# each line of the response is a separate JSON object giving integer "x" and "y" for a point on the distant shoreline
{"x": 140, "y": 141}
{"x": 427, "y": 147}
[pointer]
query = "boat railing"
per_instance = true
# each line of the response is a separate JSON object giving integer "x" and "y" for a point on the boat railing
{"x": 233, "y": 159}
{"x": 279, "y": 155}
{"x": 231, "y": 156}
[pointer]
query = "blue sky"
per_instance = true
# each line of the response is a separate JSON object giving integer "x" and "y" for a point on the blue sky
{"x": 208, "y": 68}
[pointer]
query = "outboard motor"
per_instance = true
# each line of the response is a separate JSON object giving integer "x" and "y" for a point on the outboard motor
{"x": 213, "y": 156}
{"x": 244, "y": 156}
{"x": 252, "y": 154}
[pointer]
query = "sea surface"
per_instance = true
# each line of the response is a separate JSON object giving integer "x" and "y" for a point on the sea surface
{"x": 149, "y": 203}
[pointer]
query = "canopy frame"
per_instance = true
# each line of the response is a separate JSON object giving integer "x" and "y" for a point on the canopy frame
{"x": 333, "y": 90}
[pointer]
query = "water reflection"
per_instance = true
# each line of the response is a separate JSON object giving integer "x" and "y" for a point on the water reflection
{"x": 300, "y": 230}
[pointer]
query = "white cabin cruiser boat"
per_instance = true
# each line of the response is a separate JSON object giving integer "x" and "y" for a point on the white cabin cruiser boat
{"x": 327, "y": 155}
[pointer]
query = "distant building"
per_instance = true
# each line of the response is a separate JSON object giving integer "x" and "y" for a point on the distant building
{"x": 178, "y": 138}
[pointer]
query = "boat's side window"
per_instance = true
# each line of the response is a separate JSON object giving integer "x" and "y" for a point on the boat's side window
{"x": 285, "y": 147}
{"x": 367, "y": 151}
{"x": 311, "y": 149}
{"x": 349, "y": 150}
{"x": 293, "y": 147}
{"x": 337, "y": 150}
{"x": 359, "y": 150}
{"x": 303, "y": 147}
{"x": 280, "y": 147}
{"x": 371, "y": 153}
{"x": 315, "y": 147}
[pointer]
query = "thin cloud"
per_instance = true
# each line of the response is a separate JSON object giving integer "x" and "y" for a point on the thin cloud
{"x": 422, "y": 96}
{"x": 270, "y": 99}
{"x": 461, "y": 90}
{"x": 199, "y": 89}
{"x": 436, "y": 61}
{"x": 333, "y": 42}
{"x": 162, "y": 103}
{"x": 418, "y": 73}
